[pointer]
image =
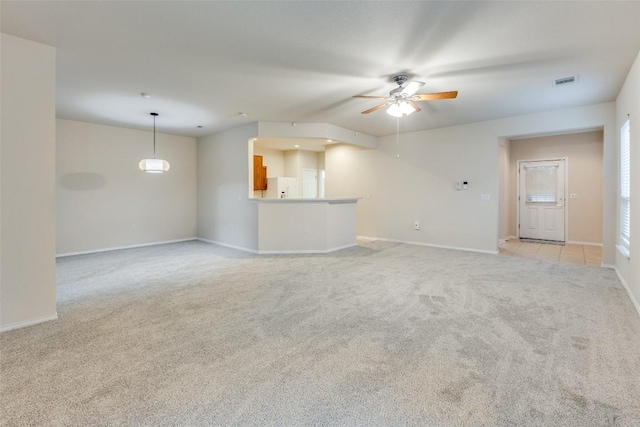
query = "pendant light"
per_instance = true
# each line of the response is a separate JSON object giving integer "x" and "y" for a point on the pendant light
{"x": 154, "y": 165}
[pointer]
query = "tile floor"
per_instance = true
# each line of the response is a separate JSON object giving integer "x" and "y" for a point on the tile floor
{"x": 569, "y": 253}
{"x": 573, "y": 254}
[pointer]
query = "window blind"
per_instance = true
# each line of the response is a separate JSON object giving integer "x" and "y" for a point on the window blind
{"x": 625, "y": 208}
{"x": 542, "y": 184}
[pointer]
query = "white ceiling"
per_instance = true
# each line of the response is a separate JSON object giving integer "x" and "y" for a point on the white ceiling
{"x": 302, "y": 61}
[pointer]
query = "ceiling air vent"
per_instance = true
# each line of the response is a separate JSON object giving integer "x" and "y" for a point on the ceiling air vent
{"x": 565, "y": 80}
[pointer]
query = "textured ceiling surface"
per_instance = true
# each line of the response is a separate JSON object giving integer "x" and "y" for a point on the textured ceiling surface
{"x": 204, "y": 62}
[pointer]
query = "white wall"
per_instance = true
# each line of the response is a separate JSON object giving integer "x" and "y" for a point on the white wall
{"x": 105, "y": 201}
{"x": 584, "y": 152}
{"x": 628, "y": 106}
{"x": 321, "y": 160}
{"x": 272, "y": 159}
{"x": 225, "y": 215}
{"x": 27, "y": 177}
{"x": 308, "y": 160}
{"x": 504, "y": 189}
{"x": 419, "y": 185}
{"x": 291, "y": 163}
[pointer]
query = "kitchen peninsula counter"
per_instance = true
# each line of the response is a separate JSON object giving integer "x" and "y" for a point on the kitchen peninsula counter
{"x": 305, "y": 225}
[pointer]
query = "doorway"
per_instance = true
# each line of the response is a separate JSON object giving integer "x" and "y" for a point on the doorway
{"x": 310, "y": 183}
{"x": 541, "y": 199}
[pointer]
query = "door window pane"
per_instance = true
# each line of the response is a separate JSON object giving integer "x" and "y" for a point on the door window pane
{"x": 542, "y": 184}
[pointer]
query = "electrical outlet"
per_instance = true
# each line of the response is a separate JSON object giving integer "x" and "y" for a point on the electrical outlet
{"x": 134, "y": 227}
{"x": 416, "y": 226}
{"x": 573, "y": 195}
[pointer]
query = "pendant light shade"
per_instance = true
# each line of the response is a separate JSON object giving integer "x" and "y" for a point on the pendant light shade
{"x": 154, "y": 165}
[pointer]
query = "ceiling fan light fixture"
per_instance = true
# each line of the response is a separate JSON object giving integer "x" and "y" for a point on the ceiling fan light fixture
{"x": 154, "y": 165}
{"x": 400, "y": 109}
{"x": 402, "y": 100}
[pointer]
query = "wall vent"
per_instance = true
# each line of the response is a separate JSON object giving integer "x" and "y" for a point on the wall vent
{"x": 565, "y": 80}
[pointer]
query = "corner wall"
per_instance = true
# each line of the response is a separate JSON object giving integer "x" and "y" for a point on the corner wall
{"x": 27, "y": 183}
{"x": 628, "y": 103}
{"x": 225, "y": 215}
{"x": 105, "y": 201}
{"x": 419, "y": 185}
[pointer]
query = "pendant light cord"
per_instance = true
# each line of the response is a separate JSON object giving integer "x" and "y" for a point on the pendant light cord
{"x": 154, "y": 137}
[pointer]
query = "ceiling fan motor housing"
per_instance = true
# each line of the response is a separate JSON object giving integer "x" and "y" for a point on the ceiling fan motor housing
{"x": 400, "y": 79}
{"x": 396, "y": 93}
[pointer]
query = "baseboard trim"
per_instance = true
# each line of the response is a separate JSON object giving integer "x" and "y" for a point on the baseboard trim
{"x": 431, "y": 245}
{"x": 626, "y": 287}
{"x": 277, "y": 252}
{"x": 226, "y": 245}
{"x": 309, "y": 251}
{"x": 577, "y": 242}
{"x": 117, "y": 248}
{"x": 24, "y": 324}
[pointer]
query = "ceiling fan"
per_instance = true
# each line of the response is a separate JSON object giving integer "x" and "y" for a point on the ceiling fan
{"x": 402, "y": 100}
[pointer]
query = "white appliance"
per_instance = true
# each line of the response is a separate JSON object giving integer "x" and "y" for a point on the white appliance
{"x": 282, "y": 187}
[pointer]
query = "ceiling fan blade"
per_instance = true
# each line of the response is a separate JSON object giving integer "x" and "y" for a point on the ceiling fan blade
{"x": 414, "y": 105}
{"x": 437, "y": 95}
{"x": 370, "y": 97}
{"x": 411, "y": 88}
{"x": 376, "y": 108}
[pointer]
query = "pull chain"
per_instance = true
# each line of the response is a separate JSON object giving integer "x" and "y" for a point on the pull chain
{"x": 398, "y": 137}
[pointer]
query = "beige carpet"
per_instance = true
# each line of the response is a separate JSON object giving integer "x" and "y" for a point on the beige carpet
{"x": 384, "y": 334}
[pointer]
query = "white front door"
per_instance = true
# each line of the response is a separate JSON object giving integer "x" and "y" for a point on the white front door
{"x": 542, "y": 199}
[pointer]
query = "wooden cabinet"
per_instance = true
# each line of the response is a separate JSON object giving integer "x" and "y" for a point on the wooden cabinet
{"x": 259, "y": 174}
